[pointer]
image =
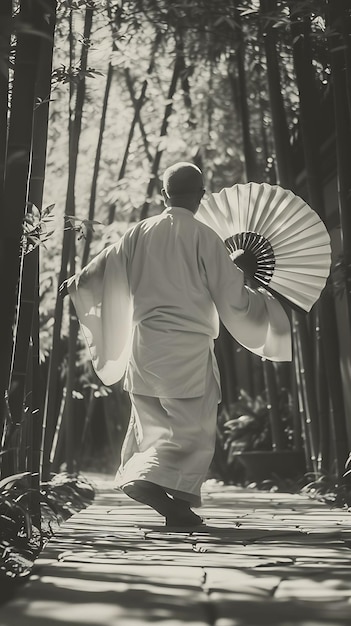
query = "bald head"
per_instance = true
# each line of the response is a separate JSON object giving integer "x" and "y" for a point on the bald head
{"x": 182, "y": 178}
{"x": 183, "y": 185}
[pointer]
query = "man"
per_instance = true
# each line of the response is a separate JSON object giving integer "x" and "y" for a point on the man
{"x": 149, "y": 307}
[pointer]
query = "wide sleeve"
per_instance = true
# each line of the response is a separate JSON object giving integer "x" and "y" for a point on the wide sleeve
{"x": 253, "y": 317}
{"x": 101, "y": 296}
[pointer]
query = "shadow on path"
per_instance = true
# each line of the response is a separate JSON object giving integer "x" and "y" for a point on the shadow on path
{"x": 263, "y": 558}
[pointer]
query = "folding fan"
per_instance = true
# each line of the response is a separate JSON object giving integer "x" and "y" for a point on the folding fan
{"x": 284, "y": 240}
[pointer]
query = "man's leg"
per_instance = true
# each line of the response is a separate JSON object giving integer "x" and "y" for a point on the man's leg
{"x": 168, "y": 448}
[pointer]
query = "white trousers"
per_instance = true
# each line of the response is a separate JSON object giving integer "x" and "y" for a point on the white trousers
{"x": 171, "y": 441}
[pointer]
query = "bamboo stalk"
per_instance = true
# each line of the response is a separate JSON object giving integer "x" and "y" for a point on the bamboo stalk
{"x": 345, "y": 30}
{"x": 322, "y": 395}
{"x": 184, "y": 81}
{"x": 334, "y": 384}
{"x": 87, "y": 422}
{"x": 297, "y": 419}
{"x": 115, "y": 21}
{"x": 163, "y": 132}
{"x": 36, "y": 417}
{"x": 303, "y": 364}
{"x": 285, "y": 175}
{"x": 337, "y": 15}
{"x": 59, "y": 436}
{"x": 137, "y": 108}
{"x": 306, "y": 382}
{"x": 28, "y": 285}
{"x": 301, "y": 402}
{"x": 273, "y": 407}
{"x": 250, "y": 157}
{"x": 70, "y": 378}
{"x": 74, "y": 134}
{"x": 93, "y": 190}
{"x": 110, "y": 422}
{"x": 16, "y": 181}
{"x": 5, "y": 17}
{"x": 326, "y": 333}
{"x": 226, "y": 364}
{"x": 36, "y": 186}
{"x": 136, "y": 117}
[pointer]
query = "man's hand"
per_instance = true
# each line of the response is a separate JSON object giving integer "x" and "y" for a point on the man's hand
{"x": 63, "y": 291}
{"x": 247, "y": 262}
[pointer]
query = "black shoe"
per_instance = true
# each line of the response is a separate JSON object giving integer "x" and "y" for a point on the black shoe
{"x": 185, "y": 519}
{"x": 183, "y": 505}
{"x": 151, "y": 495}
{"x": 184, "y": 516}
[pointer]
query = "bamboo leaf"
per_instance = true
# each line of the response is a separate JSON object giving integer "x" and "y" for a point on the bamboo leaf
{"x": 9, "y": 481}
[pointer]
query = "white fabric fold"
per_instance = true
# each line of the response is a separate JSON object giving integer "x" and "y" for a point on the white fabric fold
{"x": 102, "y": 299}
{"x": 151, "y": 303}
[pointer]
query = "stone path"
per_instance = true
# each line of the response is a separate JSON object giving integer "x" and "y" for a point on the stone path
{"x": 264, "y": 558}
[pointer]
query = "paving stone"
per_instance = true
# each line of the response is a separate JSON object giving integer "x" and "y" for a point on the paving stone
{"x": 233, "y": 610}
{"x": 318, "y": 589}
{"x": 106, "y": 594}
{"x": 263, "y": 558}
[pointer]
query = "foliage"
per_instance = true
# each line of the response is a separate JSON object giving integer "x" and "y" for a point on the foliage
{"x": 341, "y": 273}
{"x": 37, "y": 227}
{"x": 20, "y": 538}
{"x": 205, "y": 126}
{"x": 246, "y": 424}
{"x": 327, "y": 489}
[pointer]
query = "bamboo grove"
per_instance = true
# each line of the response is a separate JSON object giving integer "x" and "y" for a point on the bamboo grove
{"x": 96, "y": 99}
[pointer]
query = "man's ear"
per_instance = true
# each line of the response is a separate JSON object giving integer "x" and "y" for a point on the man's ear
{"x": 165, "y": 196}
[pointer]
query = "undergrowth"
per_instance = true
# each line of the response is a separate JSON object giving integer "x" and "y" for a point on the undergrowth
{"x": 23, "y": 534}
{"x": 318, "y": 487}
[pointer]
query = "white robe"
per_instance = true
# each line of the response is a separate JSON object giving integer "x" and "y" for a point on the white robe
{"x": 149, "y": 307}
{"x": 170, "y": 441}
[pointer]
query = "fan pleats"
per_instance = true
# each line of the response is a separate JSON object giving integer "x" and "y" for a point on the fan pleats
{"x": 288, "y": 239}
